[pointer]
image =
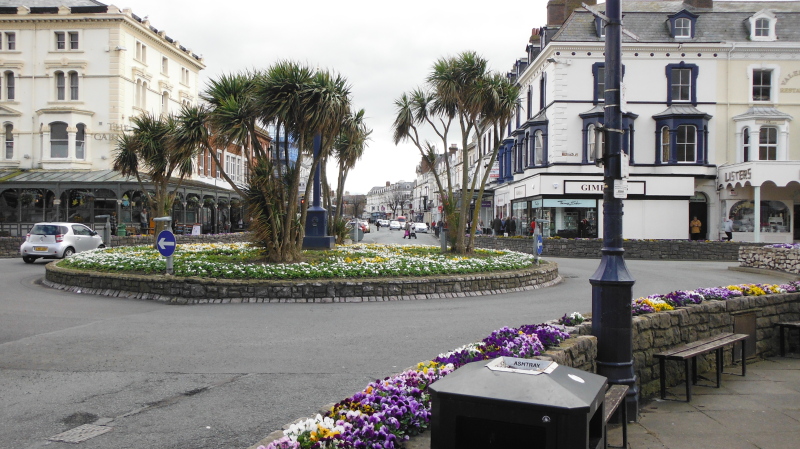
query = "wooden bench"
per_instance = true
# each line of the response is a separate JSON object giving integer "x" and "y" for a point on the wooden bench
{"x": 688, "y": 353}
{"x": 783, "y": 326}
{"x": 615, "y": 396}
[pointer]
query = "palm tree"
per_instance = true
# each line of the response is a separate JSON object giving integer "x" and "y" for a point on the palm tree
{"x": 306, "y": 102}
{"x": 349, "y": 147}
{"x": 150, "y": 151}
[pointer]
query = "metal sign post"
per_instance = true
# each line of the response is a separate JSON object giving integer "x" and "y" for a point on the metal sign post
{"x": 165, "y": 243}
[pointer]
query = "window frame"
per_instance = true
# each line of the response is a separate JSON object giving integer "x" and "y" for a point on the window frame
{"x": 80, "y": 142}
{"x": 67, "y": 41}
{"x": 64, "y": 140}
{"x": 694, "y": 72}
{"x": 757, "y": 73}
{"x": 9, "y": 92}
{"x": 8, "y": 138}
{"x": 765, "y": 148}
{"x": 680, "y": 17}
{"x": 682, "y": 28}
{"x": 9, "y": 41}
{"x": 756, "y": 30}
{"x": 689, "y": 143}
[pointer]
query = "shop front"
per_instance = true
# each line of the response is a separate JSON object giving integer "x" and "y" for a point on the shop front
{"x": 762, "y": 199}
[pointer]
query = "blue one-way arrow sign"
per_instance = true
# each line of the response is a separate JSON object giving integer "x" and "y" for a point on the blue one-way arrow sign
{"x": 166, "y": 243}
{"x": 539, "y": 244}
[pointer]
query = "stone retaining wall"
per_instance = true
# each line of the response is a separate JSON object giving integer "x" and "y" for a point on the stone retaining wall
{"x": 634, "y": 249}
{"x": 178, "y": 290}
{"x": 657, "y": 332}
{"x": 779, "y": 259}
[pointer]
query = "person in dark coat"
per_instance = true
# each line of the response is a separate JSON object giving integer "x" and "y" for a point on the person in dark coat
{"x": 511, "y": 226}
{"x": 497, "y": 226}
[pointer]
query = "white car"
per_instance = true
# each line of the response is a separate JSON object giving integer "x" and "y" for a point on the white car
{"x": 364, "y": 225}
{"x": 394, "y": 224}
{"x": 421, "y": 227}
{"x": 384, "y": 223}
{"x": 58, "y": 240}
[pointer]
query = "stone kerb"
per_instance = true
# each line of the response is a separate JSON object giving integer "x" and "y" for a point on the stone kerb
{"x": 780, "y": 259}
{"x": 193, "y": 290}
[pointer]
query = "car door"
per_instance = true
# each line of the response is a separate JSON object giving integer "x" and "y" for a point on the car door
{"x": 82, "y": 238}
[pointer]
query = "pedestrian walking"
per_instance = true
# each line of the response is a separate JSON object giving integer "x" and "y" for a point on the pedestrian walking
{"x": 144, "y": 221}
{"x": 377, "y": 225}
{"x": 113, "y": 223}
{"x": 727, "y": 226}
{"x": 694, "y": 228}
{"x": 497, "y": 225}
{"x": 511, "y": 226}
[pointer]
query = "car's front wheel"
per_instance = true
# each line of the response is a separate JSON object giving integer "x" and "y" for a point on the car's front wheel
{"x": 28, "y": 259}
{"x": 68, "y": 252}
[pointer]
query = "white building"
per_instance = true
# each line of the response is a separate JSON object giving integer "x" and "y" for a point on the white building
{"x": 707, "y": 109}
{"x": 72, "y": 75}
{"x": 390, "y": 201}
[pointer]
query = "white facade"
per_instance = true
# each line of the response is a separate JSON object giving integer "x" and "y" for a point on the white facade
{"x": 72, "y": 80}
{"x": 686, "y": 101}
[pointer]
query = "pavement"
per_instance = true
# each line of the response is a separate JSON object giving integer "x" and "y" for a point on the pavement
{"x": 759, "y": 411}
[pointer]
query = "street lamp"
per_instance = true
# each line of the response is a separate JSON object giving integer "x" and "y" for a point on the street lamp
{"x": 612, "y": 284}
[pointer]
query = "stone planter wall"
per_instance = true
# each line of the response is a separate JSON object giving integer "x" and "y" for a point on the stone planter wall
{"x": 634, "y": 249}
{"x": 177, "y": 290}
{"x": 779, "y": 259}
{"x": 657, "y": 332}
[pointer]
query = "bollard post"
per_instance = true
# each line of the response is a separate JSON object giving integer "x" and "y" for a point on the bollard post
{"x": 443, "y": 236}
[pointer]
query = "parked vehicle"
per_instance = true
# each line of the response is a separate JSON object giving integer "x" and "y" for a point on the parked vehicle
{"x": 361, "y": 225}
{"x": 384, "y": 223}
{"x": 421, "y": 227}
{"x": 365, "y": 225}
{"x": 394, "y": 224}
{"x": 58, "y": 240}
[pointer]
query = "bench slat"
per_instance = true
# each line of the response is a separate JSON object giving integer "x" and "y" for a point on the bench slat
{"x": 614, "y": 397}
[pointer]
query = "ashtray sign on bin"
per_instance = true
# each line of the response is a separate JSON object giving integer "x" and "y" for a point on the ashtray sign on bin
{"x": 522, "y": 366}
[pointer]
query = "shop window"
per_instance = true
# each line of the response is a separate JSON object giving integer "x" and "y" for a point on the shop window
{"x": 59, "y": 140}
{"x": 768, "y": 144}
{"x": 774, "y": 216}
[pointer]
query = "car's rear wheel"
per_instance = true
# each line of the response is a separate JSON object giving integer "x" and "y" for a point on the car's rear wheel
{"x": 68, "y": 252}
{"x": 28, "y": 259}
{"x": 102, "y": 246}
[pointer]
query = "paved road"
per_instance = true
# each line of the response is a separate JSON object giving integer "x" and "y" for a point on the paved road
{"x": 224, "y": 376}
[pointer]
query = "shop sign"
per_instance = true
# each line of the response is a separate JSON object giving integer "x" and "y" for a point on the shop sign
{"x": 536, "y": 204}
{"x": 584, "y": 187}
{"x": 519, "y": 192}
{"x": 494, "y": 173}
{"x": 738, "y": 175}
{"x": 486, "y": 203}
{"x": 570, "y": 203}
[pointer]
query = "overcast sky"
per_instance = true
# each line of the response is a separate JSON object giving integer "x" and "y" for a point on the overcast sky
{"x": 383, "y": 48}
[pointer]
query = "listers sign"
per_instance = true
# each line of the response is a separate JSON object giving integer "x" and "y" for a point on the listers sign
{"x": 738, "y": 175}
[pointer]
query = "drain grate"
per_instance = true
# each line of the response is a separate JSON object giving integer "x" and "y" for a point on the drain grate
{"x": 80, "y": 433}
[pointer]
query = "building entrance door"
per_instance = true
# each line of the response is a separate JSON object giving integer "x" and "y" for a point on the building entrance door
{"x": 699, "y": 209}
{"x": 797, "y": 222}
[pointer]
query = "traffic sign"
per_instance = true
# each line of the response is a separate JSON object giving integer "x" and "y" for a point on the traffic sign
{"x": 166, "y": 243}
{"x": 539, "y": 244}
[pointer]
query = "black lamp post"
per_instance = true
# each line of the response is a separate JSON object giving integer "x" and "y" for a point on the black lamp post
{"x": 612, "y": 284}
{"x": 316, "y": 230}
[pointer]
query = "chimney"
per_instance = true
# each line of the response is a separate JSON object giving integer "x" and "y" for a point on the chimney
{"x": 453, "y": 149}
{"x": 555, "y": 12}
{"x": 559, "y": 10}
{"x": 700, "y": 3}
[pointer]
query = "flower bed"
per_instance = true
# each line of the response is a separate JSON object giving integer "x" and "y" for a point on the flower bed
{"x": 681, "y": 298}
{"x": 389, "y": 412}
{"x": 241, "y": 261}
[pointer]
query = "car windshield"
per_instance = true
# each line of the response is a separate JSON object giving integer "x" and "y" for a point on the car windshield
{"x": 47, "y": 230}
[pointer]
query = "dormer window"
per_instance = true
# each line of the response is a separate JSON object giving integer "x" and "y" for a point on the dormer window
{"x": 762, "y": 26}
{"x": 600, "y": 27}
{"x": 682, "y": 25}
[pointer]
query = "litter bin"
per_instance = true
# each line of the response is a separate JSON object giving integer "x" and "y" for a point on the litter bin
{"x": 477, "y": 408}
{"x": 122, "y": 230}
